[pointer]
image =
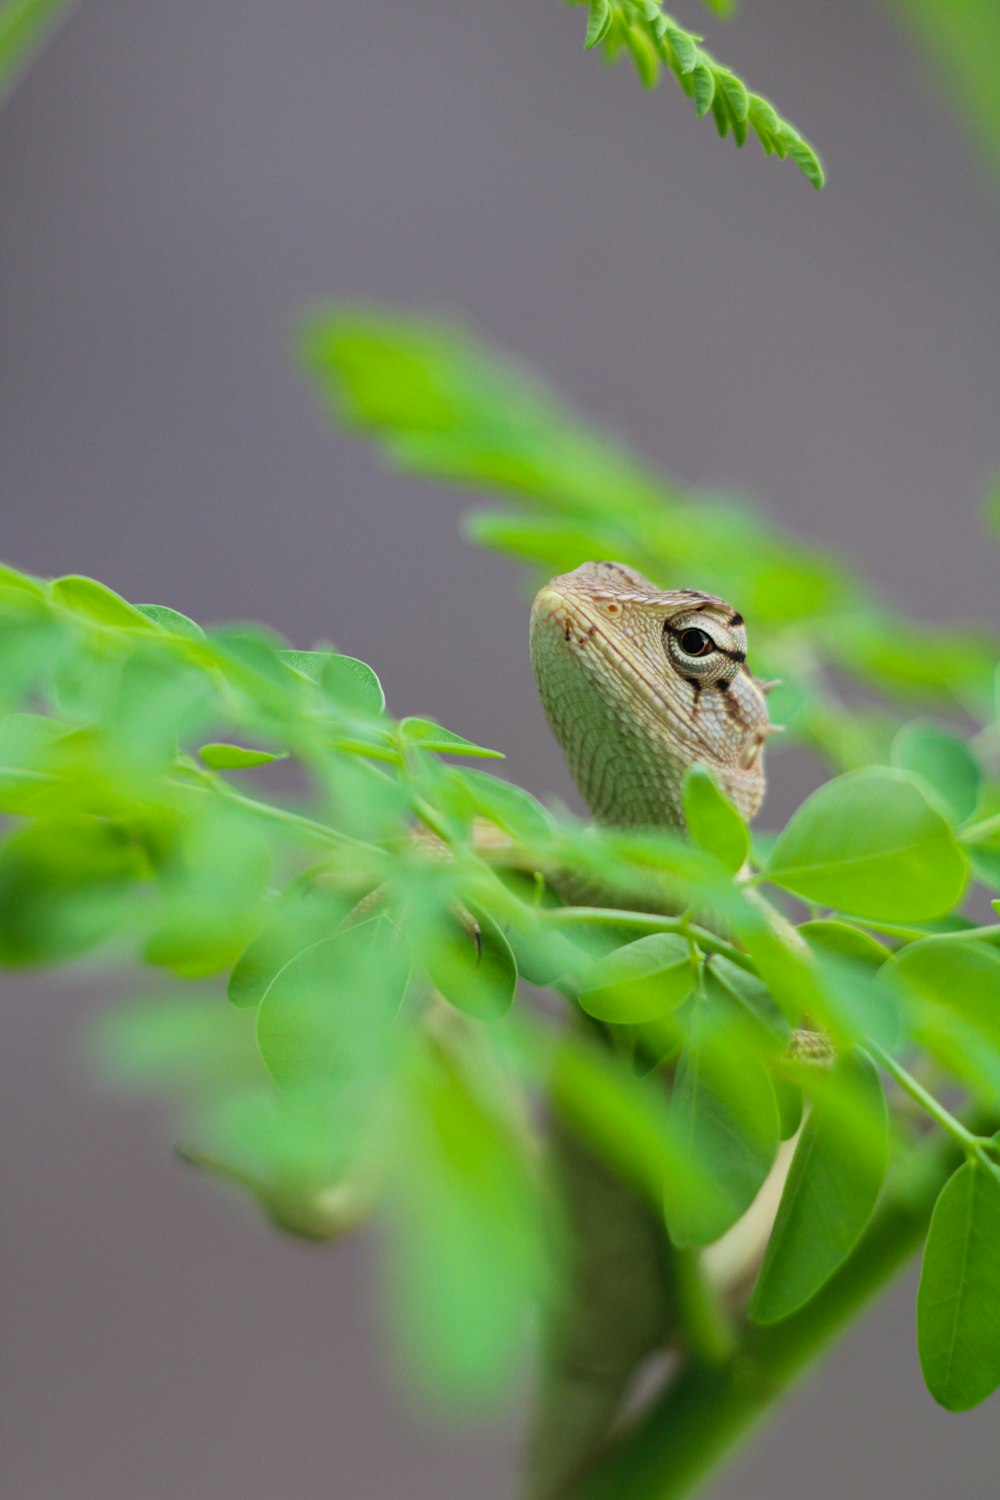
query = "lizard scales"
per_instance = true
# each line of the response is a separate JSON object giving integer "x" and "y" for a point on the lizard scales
{"x": 638, "y": 684}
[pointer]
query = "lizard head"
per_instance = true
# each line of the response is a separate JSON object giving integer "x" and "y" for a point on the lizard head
{"x": 640, "y": 683}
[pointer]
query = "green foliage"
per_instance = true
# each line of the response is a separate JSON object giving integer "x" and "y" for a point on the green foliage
{"x": 958, "y": 1316}
{"x": 24, "y": 25}
{"x": 441, "y": 404}
{"x": 712, "y": 821}
{"x": 883, "y": 853}
{"x": 832, "y": 1188}
{"x": 844, "y": 841}
{"x": 961, "y": 40}
{"x": 654, "y": 41}
{"x": 372, "y": 927}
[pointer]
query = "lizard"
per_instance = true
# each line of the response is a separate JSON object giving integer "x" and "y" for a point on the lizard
{"x": 638, "y": 684}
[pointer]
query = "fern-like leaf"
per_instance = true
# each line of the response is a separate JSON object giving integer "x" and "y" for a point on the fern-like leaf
{"x": 655, "y": 42}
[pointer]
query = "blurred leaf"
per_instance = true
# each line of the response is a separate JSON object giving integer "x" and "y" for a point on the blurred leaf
{"x": 469, "y": 960}
{"x": 712, "y": 821}
{"x": 350, "y": 683}
{"x": 190, "y": 1042}
{"x": 844, "y": 941}
{"x": 212, "y": 889}
{"x": 871, "y": 843}
{"x": 640, "y": 981}
{"x": 322, "y": 1025}
{"x": 430, "y": 736}
{"x": 299, "y": 925}
{"x": 724, "y": 1109}
{"x": 512, "y": 809}
{"x": 96, "y": 602}
{"x": 24, "y": 26}
{"x": 171, "y": 621}
{"x": 944, "y": 761}
{"x": 832, "y": 1187}
{"x": 222, "y": 757}
{"x": 788, "y": 1096}
{"x": 470, "y": 1252}
{"x": 962, "y": 43}
{"x": 950, "y": 987}
{"x": 958, "y": 1304}
{"x": 628, "y": 1125}
{"x": 906, "y": 660}
{"x": 63, "y": 882}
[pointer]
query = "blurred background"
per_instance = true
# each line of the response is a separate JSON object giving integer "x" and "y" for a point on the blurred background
{"x": 179, "y": 183}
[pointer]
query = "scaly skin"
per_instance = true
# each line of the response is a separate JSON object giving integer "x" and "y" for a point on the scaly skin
{"x": 638, "y": 684}
{"x": 632, "y": 708}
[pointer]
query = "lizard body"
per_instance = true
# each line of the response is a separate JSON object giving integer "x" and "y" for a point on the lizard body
{"x": 638, "y": 684}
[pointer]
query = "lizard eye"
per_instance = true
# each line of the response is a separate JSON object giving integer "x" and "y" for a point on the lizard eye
{"x": 695, "y": 642}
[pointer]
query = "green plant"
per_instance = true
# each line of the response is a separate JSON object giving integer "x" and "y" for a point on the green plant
{"x": 337, "y": 917}
{"x": 372, "y": 1053}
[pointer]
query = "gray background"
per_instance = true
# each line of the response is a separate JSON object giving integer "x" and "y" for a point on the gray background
{"x": 177, "y": 181}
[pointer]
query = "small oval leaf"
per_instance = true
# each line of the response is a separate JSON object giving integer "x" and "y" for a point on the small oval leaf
{"x": 639, "y": 981}
{"x": 219, "y": 756}
{"x": 944, "y": 761}
{"x": 431, "y": 736}
{"x": 833, "y": 1184}
{"x": 958, "y": 1303}
{"x": 871, "y": 843}
{"x": 712, "y": 821}
{"x": 471, "y": 963}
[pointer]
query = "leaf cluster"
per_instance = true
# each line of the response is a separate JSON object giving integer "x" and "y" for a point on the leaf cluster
{"x": 442, "y": 405}
{"x": 218, "y": 806}
{"x": 655, "y": 42}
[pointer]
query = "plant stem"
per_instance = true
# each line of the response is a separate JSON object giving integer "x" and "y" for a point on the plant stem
{"x": 644, "y": 921}
{"x": 972, "y": 1145}
{"x": 977, "y": 833}
{"x": 698, "y": 1420}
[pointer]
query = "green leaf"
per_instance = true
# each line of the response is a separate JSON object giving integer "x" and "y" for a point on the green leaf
{"x": 643, "y": 56}
{"x": 684, "y": 48}
{"x": 97, "y": 603}
{"x": 943, "y": 761}
{"x": 790, "y": 1106}
{"x": 844, "y": 941}
{"x": 509, "y": 807}
{"x": 24, "y": 26}
{"x": 63, "y": 885}
{"x": 299, "y": 926}
{"x": 223, "y": 757}
{"x": 712, "y": 821}
{"x": 724, "y": 1110}
{"x": 470, "y": 1255}
{"x": 951, "y": 988}
{"x": 871, "y": 843}
{"x": 651, "y": 37}
{"x": 323, "y": 1023}
{"x": 958, "y": 1303}
{"x": 350, "y": 683}
{"x": 172, "y": 621}
{"x": 833, "y": 1184}
{"x": 627, "y": 1124}
{"x": 470, "y": 962}
{"x": 750, "y": 998}
{"x": 598, "y": 22}
{"x": 640, "y": 981}
{"x": 704, "y": 89}
{"x": 427, "y": 735}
